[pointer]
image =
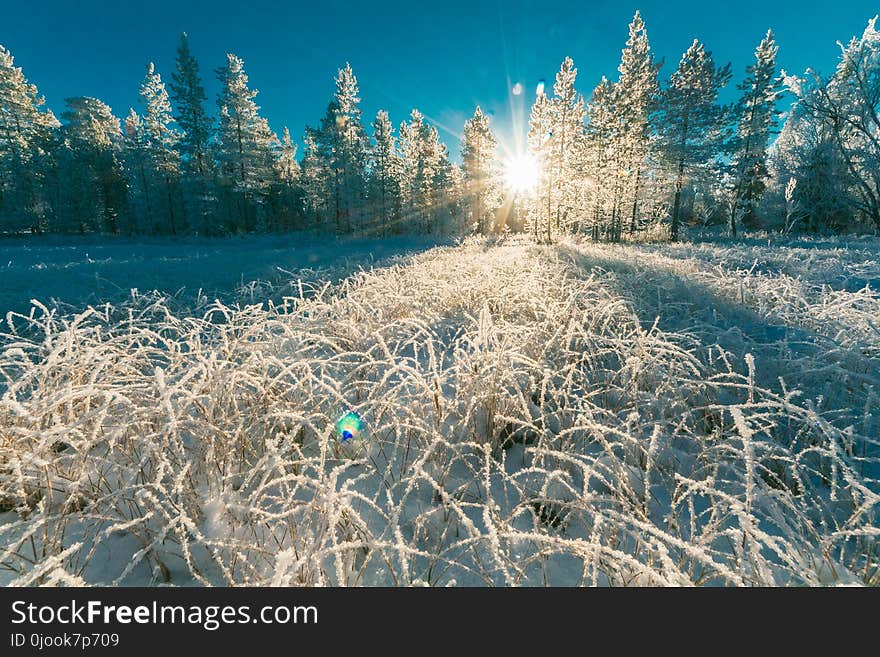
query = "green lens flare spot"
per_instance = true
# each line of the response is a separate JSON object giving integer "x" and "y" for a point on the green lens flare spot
{"x": 349, "y": 426}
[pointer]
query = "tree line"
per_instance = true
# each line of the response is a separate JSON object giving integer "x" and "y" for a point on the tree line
{"x": 639, "y": 154}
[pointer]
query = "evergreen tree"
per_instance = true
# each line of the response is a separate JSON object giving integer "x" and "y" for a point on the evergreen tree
{"x": 564, "y": 149}
{"x": 189, "y": 99}
{"x": 847, "y": 105}
{"x": 25, "y": 133}
{"x": 383, "y": 192}
{"x": 601, "y": 155}
{"x": 637, "y": 90}
{"x": 245, "y": 148}
{"x": 479, "y": 167}
{"x": 755, "y": 113}
{"x": 136, "y": 156}
{"x": 161, "y": 138}
{"x": 93, "y": 179}
{"x": 691, "y": 120}
{"x": 538, "y": 141}
{"x": 423, "y": 169}
{"x": 286, "y": 197}
{"x": 315, "y": 181}
{"x": 345, "y": 141}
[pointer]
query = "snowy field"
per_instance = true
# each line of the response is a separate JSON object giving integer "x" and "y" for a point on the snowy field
{"x": 72, "y": 272}
{"x": 575, "y": 414}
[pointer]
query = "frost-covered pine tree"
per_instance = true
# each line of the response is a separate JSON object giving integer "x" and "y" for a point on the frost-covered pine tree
{"x": 245, "y": 147}
{"x": 637, "y": 90}
{"x": 160, "y": 139}
{"x": 419, "y": 167}
{"x": 479, "y": 166}
{"x": 601, "y": 155}
{"x": 92, "y": 177}
{"x": 25, "y": 130}
{"x": 314, "y": 181}
{"x": 564, "y": 149}
{"x": 444, "y": 201}
{"x": 188, "y": 95}
{"x": 384, "y": 185}
{"x": 136, "y": 156}
{"x": 848, "y": 106}
{"x": 691, "y": 120}
{"x": 755, "y": 114}
{"x": 342, "y": 144}
{"x": 286, "y": 195}
{"x": 538, "y": 146}
{"x": 823, "y": 192}
{"x": 286, "y": 165}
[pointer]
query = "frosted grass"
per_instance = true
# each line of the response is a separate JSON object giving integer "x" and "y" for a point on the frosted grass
{"x": 533, "y": 415}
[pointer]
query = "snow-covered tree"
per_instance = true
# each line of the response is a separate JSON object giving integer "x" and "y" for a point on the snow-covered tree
{"x": 314, "y": 181}
{"x": 286, "y": 165}
{"x": 95, "y": 192}
{"x": 160, "y": 140}
{"x": 823, "y": 193}
{"x": 286, "y": 192}
{"x": 691, "y": 122}
{"x": 755, "y": 114}
{"x": 341, "y": 146}
{"x": 138, "y": 165}
{"x": 479, "y": 165}
{"x": 564, "y": 150}
{"x": 188, "y": 95}
{"x": 25, "y": 130}
{"x": 848, "y": 105}
{"x": 601, "y": 156}
{"x": 636, "y": 93}
{"x": 537, "y": 144}
{"x": 384, "y": 185}
{"x": 245, "y": 148}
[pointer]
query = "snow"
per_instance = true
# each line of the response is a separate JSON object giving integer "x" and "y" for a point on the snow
{"x": 575, "y": 414}
{"x": 77, "y": 271}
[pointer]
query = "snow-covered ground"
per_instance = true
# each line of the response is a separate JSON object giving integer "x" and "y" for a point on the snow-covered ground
{"x": 570, "y": 414}
{"x": 75, "y": 271}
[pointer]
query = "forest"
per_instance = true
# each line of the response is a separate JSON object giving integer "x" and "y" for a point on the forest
{"x": 642, "y": 350}
{"x": 637, "y": 157}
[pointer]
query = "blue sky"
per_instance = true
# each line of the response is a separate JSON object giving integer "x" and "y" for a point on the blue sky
{"x": 443, "y": 58}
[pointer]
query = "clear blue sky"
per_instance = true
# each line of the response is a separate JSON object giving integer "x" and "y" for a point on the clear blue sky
{"x": 442, "y": 57}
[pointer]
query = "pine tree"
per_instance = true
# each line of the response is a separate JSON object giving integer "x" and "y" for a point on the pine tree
{"x": 286, "y": 193}
{"x": 479, "y": 167}
{"x": 384, "y": 187}
{"x": 637, "y": 90}
{"x": 848, "y": 107}
{"x": 564, "y": 148}
{"x": 189, "y": 99}
{"x": 444, "y": 203}
{"x": 137, "y": 159}
{"x": 94, "y": 176}
{"x": 755, "y": 113}
{"x": 25, "y": 131}
{"x": 245, "y": 145}
{"x": 691, "y": 120}
{"x": 423, "y": 166}
{"x": 538, "y": 142}
{"x": 161, "y": 138}
{"x": 602, "y": 153}
{"x": 315, "y": 180}
{"x": 350, "y": 144}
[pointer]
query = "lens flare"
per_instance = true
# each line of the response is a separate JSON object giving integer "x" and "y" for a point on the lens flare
{"x": 349, "y": 426}
{"x": 521, "y": 173}
{"x": 540, "y": 88}
{"x": 517, "y": 89}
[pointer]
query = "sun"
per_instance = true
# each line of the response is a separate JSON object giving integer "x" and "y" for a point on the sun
{"x": 521, "y": 173}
